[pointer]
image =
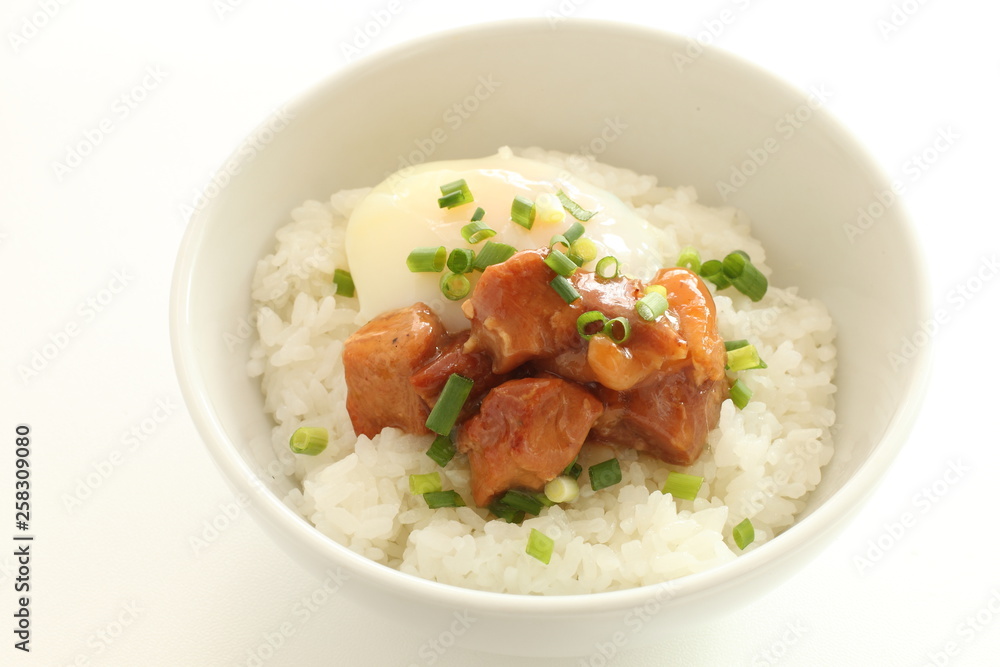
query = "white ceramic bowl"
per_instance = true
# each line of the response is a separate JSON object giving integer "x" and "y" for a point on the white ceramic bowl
{"x": 626, "y": 93}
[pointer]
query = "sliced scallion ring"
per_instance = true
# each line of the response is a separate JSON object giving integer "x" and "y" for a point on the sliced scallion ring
{"x": 744, "y": 358}
{"x": 585, "y": 249}
{"x": 454, "y": 286}
{"x": 682, "y": 486}
{"x": 562, "y": 489}
{"x": 585, "y": 324}
{"x": 507, "y": 513}
{"x": 560, "y": 240}
{"x": 651, "y": 306}
{"x": 520, "y": 500}
{"x": 605, "y": 474}
{"x": 539, "y": 546}
{"x": 559, "y": 263}
{"x": 442, "y": 450}
{"x": 436, "y": 499}
{"x": 744, "y": 276}
{"x": 522, "y": 211}
{"x": 421, "y": 484}
{"x": 493, "y": 253}
{"x": 740, "y": 393}
{"x": 574, "y": 232}
{"x": 460, "y": 260}
{"x": 573, "y": 470}
{"x": 564, "y": 289}
{"x": 660, "y": 289}
{"x": 619, "y": 330}
{"x": 690, "y": 259}
{"x": 479, "y": 214}
{"x": 445, "y": 412}
{"x": 712, "y": 272}
{"x": 548, "y": 209}
{"x": 477, "y": 231}
{"x": 743, "y": 534}
{"x": 607, "y": 267}
{"x": 344, "y": 283}
{"x": 455, "y": 194}
{"x": 427, "y": 260}
{"x": 309, "y": 440}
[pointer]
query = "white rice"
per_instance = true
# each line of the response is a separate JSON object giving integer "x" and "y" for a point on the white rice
{"x": 760, "y": 463}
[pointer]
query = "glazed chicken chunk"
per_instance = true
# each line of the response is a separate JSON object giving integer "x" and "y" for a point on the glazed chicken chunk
{"x": 379, "y": 360}
{"x": 526, "y": 433}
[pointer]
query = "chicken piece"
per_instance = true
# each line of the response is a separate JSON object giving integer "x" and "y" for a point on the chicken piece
{"x": 669, "y": 416}
{"x": 690, "y": 299}
{"x": 670, "y": 410}
{"x": 516, "y": 316}
{"x": 526, "y": 433}
{"x": 477, "y": 366}
{"x": 379, "y": 359}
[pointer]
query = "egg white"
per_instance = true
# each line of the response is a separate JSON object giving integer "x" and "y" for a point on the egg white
{"x": 402, "y": 213}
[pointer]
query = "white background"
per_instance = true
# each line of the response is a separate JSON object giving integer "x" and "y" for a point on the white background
{"x": 87, "y": 256}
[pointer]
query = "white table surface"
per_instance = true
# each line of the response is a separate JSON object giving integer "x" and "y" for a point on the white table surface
{"x": 123, "y": 489}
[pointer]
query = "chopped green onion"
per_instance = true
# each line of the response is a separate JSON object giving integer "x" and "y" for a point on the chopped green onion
{"x": 493, "y": 253}
{"x": 344, "y": 282}
{"x": 744, "y": 358}
{"x": 736, "y": 344}
{"x": 460, "y": 260}
{"x": 544, "y": 499}
{"x": 740, "y": 393}
{"x": 520, "y": 500}
{"x": 454, "y": 286}
{"x": 506, "y": 512}
{"x": 682, "y": 486}
{"x": 436, "y": 499}
{"x": 309, "y": 440}
{"x": 573, "y": 470}
{"x": 744, "y": 275}
{"x": 427, "y": 260}
{"x": 574, "y": 232}
{"x": 477, "y": 231}
{"x": 584, "y": 324}
{"x": 712, "y": 272}
{"x": 607, "y": 267}
{"x": 539, "y": 546}
{"x": 743, "y": 534}
{"x": 619, "y": 330}
{"x": 559, "y": 239}
{"x": 479, "y": 214}
{"x": 659, "y": 289}
{"x": 548, "y": 209}
{"x": 442, "y": 450}
{"x": 421, "y": 484}
{"x": 522, "y": 211}
{"x": 564, "y": 289}
{"x": 449, "y": 404}
{"x": 690, "y": 259}
{"x": 651, "y": 306}
{"x": 585, "y": 249}
{"x": 559, "y": 263}
{"x": 605, "y": 474}
{"x": 575, "y": 209}
{"x": 455, "y": 194}
{"x": 562, "y": 489}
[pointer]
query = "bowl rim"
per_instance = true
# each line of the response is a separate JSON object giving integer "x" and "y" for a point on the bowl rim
{"x": 823, "y": 522}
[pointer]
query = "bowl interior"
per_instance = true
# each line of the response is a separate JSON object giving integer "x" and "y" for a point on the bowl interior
{"x": 625, "y": 95}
